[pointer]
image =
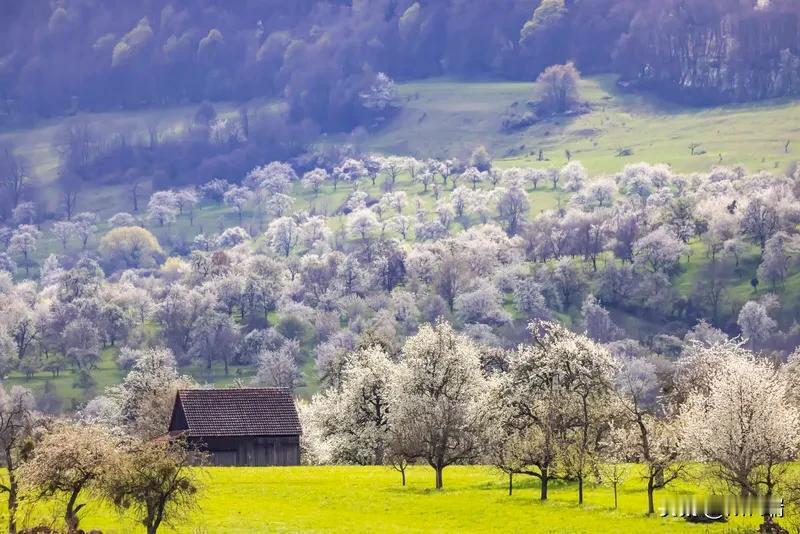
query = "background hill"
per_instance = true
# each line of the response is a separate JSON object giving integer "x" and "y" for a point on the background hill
{"x": 446, "y": 117}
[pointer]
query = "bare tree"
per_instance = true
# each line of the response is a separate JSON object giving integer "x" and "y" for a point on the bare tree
{"x": 71, "y": 185}
{"x": 13, "y": 174}
{"x": 78, "y": 148}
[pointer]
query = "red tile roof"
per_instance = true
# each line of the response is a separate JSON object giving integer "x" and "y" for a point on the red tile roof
{"x": 238, "y": 412}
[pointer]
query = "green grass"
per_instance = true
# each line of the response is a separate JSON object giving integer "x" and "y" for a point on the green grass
{"x": 371, "y": 499}
{"x": 108, "y": 373}
{"x": 39, "y": 143}
{"x": 450, "y": 117}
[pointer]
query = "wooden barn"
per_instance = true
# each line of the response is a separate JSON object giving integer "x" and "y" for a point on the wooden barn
{"x": 252, "y": 426}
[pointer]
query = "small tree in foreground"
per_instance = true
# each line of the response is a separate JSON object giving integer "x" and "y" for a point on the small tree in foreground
{"x": 613, "y": 468}
{"x": 436, "y": 398}
{"x": 754, "y": 425}
{"x": 16, "y": 425}
{"x": 69, "y": 462}
{"x": 155, "y": 483}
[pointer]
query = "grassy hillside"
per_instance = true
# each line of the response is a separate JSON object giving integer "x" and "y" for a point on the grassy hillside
{"x": 449, "y": 117}
{"x": 443, "y": 117}
{"x": 40, "y": 143}
{"x": 371, "y": 499}
{"x": 72, "y": 395}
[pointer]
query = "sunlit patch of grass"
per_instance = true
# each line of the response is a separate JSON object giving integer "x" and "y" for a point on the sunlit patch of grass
{"x": 371, "y": 499}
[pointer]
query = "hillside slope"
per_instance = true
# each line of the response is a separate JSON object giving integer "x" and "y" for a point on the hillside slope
{"x": 443, "y": 117}
{"x": 457, "y": 116}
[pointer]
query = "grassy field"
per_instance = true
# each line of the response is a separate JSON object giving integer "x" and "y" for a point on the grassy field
{"x": 371, "y": 499}
{"x": 449, "y": 117}
{"x": 108, "y": 373}
{"x": 40, "y": 144}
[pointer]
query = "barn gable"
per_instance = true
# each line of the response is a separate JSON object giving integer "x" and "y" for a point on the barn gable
{"x": 178, "y": 422}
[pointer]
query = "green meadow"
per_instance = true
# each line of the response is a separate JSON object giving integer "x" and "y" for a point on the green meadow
{"x": 371, "y": 499}
{"x": 442, "y": 117}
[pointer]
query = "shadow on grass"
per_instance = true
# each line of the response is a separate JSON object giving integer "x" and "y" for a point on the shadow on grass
{"x": 649, "y": 101}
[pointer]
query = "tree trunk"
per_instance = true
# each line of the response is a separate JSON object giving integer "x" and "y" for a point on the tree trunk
{"x": 439, "y": 483}
{"x": 71, "y": 515}
{"x": 545, "y": 479}
{"x": 403, "y": 476}
{"x": 510, "y": 483}
{"x": 651, "y": 509}
{"x": 154, "y": 519}
{"x": 12, "y": 493}
{"x": 580, "y": 490}
{"x": 615, "y": 495}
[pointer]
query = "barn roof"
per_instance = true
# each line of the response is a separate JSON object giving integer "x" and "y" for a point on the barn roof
{"x": 235, "y": 412}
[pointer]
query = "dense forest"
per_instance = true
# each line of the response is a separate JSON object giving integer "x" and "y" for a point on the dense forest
{"x": 62, "y": 57}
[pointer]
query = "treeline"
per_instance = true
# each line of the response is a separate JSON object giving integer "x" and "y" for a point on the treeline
{"x": 323, "y": 56}
{"x": 717, "y": 51}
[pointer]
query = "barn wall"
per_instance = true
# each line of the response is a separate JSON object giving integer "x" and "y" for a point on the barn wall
{"x": 253, "y": 451}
